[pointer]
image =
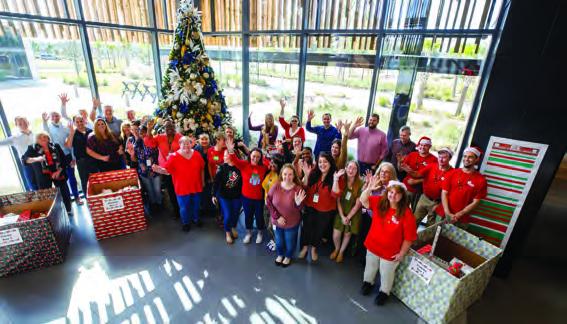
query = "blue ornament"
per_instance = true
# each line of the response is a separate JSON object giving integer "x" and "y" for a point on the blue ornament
{"x": 183, "y": 107}
{"x": 188, "y": 58}
{"x": 209, "y": 91}
{"x": 173, "y": 64}
{"x": 157, "y": 112}
{"x": 217, "y": 121}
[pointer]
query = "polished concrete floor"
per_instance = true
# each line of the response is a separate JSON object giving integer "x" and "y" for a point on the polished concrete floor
{"x": 163, "y": 274}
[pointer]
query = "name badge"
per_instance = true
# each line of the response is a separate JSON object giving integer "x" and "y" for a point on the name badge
{"x": 215, "y": 158}
{"x": 316, "y": 198}
{"x": 149, "y": 162}
{"x": 470, "y": 183}
{"x": 348, "y": 195}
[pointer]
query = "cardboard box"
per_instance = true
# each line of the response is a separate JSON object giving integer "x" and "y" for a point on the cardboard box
{"x": 117, "y": 213}
{"x": 36, "y": 243}
{"x": 425, "y": 285}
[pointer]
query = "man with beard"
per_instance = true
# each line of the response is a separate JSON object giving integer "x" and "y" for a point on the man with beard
{"x": 415, "y": 162}
{"x": 432, "y": 177}
{"x": 462, "y": 190}
{"x": 399, "y": 149}
{"x": 325, "y": 134}
{"x": 372, "y": 143}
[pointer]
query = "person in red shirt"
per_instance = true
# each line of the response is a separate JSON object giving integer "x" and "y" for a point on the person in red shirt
{"x": 391, "y": 234}
{"x": 293, "y": 128}
{"x": 323, "y": 188}
{"x": 167, "y": 144}
{"x": 253, "y": 172}
{"x": 215, "y": 154}
{"x": 462, "y": 190}
{"x": 432, "y": 177}
{"x": 187, "y": 169}
{"x": 415, "y": 161}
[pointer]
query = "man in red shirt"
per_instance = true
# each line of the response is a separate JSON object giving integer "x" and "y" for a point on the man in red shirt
{"x": 431, "y": 177}
{"x": 167, "y": 144}
{"x": 462, "y": 190}
{"x": 414, "y": 162}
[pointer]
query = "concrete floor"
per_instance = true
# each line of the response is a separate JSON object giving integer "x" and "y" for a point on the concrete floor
{"x": 164, "y": 274}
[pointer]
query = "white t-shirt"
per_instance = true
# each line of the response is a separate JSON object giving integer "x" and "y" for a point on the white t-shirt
{"x": 20, "y": 141}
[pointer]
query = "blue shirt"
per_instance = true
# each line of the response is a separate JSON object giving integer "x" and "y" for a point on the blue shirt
{"x": 325, "y": 137}
{"x": 58, "y": 134}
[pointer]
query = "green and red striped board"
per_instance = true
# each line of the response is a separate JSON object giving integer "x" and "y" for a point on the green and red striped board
{"x": 509, "y": 167}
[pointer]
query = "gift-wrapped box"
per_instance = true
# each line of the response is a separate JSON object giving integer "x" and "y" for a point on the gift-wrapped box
{"x": 120, "y": 212}
{"x": 33, "y": 243}
{"x": 425, "y": 284}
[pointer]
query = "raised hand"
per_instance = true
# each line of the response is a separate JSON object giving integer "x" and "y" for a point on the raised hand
{"x": 130, "y": 148}
{"x": 338, "y": 174}
{"x": 375, "y": 183}
{"x": 230, "y": 145}
{"x": 310, "y": 115}
{"x": 96, "y": 103}
{"x": 151, "y": 124}
{"x": 339, "y": 124}
{"x": 300, "y": 196}
{"x": 347, "y": 125}
{"x": 64, "y": 99}
{"x": 359, "y": 122}
{"x": 306, "y": 167}
{"x": 367, "y": 177}
{"x": 70, "y": 126}
{"x": 283, "y": 103}
{"x": 45, "y": 116}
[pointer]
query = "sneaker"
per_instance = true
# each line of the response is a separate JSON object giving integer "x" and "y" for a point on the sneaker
{"x": 381, "y": 298}
{"x": 339, "y": 258}
{"x": 234, "y": 233}
{"x": 247, "y": 238}
{"x": 186, "y": 227}
{"x": 271, "y": 246}
{"x": 334, "y": 255}
{"x": 366, "y": 288}
{"x": 259, "y": 238}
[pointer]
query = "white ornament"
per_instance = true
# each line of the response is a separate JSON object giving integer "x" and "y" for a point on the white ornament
{"x": 203, "y": 101}
{"x": 192, "y": 76}
{"x": 179, "y": 115}
{"x": 205, "y": 75}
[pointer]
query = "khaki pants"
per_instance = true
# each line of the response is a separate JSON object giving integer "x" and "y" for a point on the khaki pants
{"x": 463, "y": 226}
{"x": 425, "y": 208}
{"x": 387, "y": 271}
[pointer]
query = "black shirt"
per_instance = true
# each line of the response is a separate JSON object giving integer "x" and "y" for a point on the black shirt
{"x": 228, "y": 182}
{"x": 80, "y": 144}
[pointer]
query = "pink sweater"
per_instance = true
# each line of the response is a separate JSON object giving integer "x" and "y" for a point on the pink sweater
{"x": 281, "y": 202}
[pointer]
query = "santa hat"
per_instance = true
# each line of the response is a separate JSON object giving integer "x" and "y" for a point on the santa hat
{"x": 424, "y": 140}
{"x": 446, "y": 150}
{"x": 397, "y": 183}
{"x": 474, "y": 150}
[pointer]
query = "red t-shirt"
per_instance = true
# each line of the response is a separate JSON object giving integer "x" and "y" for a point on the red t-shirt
{"x": 162, "y": 143}
{"x": 252, "y": 177}
{"x": 417, "y": 162}
{"x": 216, "y": 159}
{"x": 462, "y": 189}
{"x": 299, "y": 132}
{"x": 387, "y": 233}
{"x": 433, "y": 178}
{"x": 186, "y": 173}
{"x": 326, "y": 198}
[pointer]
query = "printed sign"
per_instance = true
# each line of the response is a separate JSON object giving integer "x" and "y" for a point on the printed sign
{"x": 421, "y": 269}
{"x": 112, "y": 204}
{"x": 10, "y": 237}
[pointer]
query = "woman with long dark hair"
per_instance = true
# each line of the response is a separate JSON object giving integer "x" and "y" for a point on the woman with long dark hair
{"x": 104, "y": 147}
{"x": 253, "y": 172}
{"x": 391, "y": 234}
{"x": 227, "y": 189}
{"x": 323, "y": 189}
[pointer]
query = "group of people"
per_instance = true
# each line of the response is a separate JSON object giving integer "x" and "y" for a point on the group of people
{"x": 286, "y": 189}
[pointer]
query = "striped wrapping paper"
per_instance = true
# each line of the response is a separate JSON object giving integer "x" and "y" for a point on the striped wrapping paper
{"x": 509, "y": 167}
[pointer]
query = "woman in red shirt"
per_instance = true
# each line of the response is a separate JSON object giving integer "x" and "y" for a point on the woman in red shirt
{"x": 253, "y": 173}
{"x": 293, "y": 128}
{"x": 323, "y": 189}
{"x": 389, "y": 239}
{"x": 187, "y": 169}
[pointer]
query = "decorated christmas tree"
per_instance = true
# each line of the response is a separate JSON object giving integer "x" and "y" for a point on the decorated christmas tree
{"x": 191, "y": 95}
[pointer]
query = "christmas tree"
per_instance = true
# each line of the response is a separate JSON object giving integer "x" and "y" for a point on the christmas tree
{"x": 191, "y": 95}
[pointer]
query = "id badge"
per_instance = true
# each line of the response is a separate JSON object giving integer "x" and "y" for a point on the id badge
{"x": 348, "y": 195}
{"x": 316, "y": 198}
{"x": 216, "y": 158}
{"x": 149, "y": 162}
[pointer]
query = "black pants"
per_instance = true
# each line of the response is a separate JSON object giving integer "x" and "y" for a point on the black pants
{"x": 314, "y": 225}
{"x": 45, "y": 183}
{"x": 168, "y": 183}
{"x": 85, "y": 167}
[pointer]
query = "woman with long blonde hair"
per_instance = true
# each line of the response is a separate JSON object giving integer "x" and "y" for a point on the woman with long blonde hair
{"x": 105, "y": 148}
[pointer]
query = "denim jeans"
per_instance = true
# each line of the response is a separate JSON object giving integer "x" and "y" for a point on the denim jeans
{"x": 286, "y": 241}
{"x": 230, "y": 211}
{"x": 72, "y": 179}
{"x": 254, "y": 209}
{"x": 153, "y": 188}
{"x": 189, "y": 207}
{"x": 29, "y": 178}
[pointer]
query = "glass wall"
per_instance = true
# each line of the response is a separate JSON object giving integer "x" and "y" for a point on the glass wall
{"x": 330, "y": 65}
